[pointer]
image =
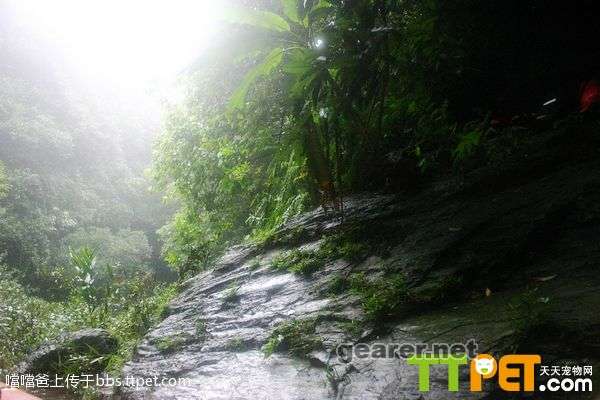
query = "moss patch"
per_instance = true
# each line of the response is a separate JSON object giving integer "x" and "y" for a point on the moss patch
{"x": 334, "y": 247}
{"x": 201, "y": 330}
{"x": 299, "y": 262}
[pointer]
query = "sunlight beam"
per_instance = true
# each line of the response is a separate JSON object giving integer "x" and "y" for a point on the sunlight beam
{"x": 124, "y": 41}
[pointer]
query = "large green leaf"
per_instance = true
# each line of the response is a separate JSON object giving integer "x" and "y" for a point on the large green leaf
{"x": 300, "y": 62}
{"x": 290, "y": 9}
{"x": 272, "y": 61}
{"x": 321, "y": 4}
{"x": 256, "y": 18}
{"x": 321, "y": 8}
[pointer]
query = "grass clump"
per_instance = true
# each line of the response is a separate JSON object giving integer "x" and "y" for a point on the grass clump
{"x": 357, "y": 242}
{"x": 170, "y": 344}
{"x": 255, "y": 264}
{"x": 297, "y": 338}
{"x": 232, "y": 293}
{"x": 338, "y": 285}
{"x": 354, "y": 328}
{"x": 380, "y": 298}
{"x": 356, "y": 283}
{"x": 274, "y": 236}
{"x": 345, "y": 247}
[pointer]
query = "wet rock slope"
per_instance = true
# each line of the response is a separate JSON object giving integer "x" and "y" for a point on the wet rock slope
{"x": 513, "y": 265}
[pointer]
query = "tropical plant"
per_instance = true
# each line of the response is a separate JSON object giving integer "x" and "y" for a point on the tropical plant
{"x": 88, "y": 288}
{"x": 341, "y": 65}
{"x": 84, "y": 261}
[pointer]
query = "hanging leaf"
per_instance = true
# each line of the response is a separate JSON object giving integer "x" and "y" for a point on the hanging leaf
{"x": 272, "y": 61}
{"x": 256, "y": 18}
{"x": 467, "y": 145}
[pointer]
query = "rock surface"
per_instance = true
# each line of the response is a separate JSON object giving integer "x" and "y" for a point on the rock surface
{"x": 513, "y": 265}
{"x": 45, "y": 360}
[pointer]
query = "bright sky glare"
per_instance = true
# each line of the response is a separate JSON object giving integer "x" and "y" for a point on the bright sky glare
{"x": 124, "y": 42}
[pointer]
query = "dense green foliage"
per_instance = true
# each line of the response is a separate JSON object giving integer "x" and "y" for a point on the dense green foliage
{"x": 78, "y": 242}
{"x": 126, "y": 309}
{"x": 71, "y": 173}
{"x": 301, "y": 102}
{"x": 26, "y": 321}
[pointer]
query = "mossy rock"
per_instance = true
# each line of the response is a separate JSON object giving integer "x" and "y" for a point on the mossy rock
{"x": 89, "y": 348}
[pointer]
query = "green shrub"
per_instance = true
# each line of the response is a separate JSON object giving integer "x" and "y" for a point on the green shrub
{"x": 26, "y": 321}
{"x": 142, "y": 311}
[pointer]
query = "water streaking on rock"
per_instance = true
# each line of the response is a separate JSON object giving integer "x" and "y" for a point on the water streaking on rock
{"x": 464, "y": 261}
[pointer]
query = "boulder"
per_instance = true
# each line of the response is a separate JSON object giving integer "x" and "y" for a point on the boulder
{"x": 51, "y": 356}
